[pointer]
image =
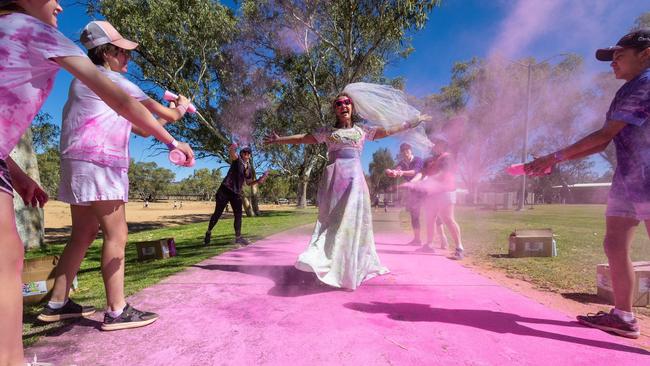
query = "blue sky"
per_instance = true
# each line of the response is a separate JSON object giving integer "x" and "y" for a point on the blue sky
{"x": 457, "y": 30}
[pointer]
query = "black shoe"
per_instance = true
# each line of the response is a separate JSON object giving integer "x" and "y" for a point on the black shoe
{"x": 70, "y": 310}
{"x": 458, "y": 254}
{"x": 242, "y": 241}
{"x": 130, "y": 318}
{"x": 208, "y": 236}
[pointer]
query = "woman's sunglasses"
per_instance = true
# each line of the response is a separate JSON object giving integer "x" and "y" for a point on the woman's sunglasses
{"x": 341, "y": 102}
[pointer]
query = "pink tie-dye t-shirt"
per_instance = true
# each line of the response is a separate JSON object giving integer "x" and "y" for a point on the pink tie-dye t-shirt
{"x": 91, "y": 130}
{"x": 27, "y": 72}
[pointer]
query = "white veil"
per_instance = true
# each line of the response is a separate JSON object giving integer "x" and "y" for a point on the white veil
{"x": 381, "y": 104}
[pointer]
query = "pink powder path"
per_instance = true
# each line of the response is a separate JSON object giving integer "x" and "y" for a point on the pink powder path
{"x": 250, "y": 307}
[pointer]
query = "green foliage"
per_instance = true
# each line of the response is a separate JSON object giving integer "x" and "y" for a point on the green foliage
{"x": 378, "y": 180}
{"x": 147, "y": 180}
{"x": 183, "y": 48}
{"x": 45, "y": 134}
{"x": 276, "y": 186}
{"x": 45, "y": 139}
{"x": 49, "y": 163}
{"x": 313, "y": 49}
{"x": 203, "y": 182}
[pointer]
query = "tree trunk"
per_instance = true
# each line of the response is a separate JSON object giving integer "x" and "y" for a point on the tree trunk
{"x": 310, "y": 161}
{"x": 29, "y": 220}
{"x": 254, "y": 192}
{"x": 247, "y": 206}
{"x": 255, "y": 200}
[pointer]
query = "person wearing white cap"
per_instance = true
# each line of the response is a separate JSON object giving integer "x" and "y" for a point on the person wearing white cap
{"x": 627, "y": 123}
{"x": 94, "y": 179}
{"x": 32, "y": 50}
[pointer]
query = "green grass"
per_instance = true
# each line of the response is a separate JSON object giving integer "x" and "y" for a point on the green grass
{"x": 138, "y": 275}
{"x": 579, "y": 233}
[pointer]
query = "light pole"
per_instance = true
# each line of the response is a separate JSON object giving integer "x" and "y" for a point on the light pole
{"x": 524, "y": 150}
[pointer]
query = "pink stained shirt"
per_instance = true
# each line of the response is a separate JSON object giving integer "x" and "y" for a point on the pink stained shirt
{"x": 27, "y": 72}
{"x": 91, "y": 130}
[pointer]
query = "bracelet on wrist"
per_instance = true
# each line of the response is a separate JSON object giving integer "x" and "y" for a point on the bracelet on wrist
{"x": 172, "y": 145}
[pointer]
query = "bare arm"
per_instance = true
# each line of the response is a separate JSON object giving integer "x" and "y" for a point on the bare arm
{"x": 140, "y": 132}
{"x": 385, "y": 132}
{"x": 31, "y": 193}
{"x": 289, "y": 140}
{"x": 232, "y": 152}
{"x": 116, "y": 98}
{"x": 592, "y": 143}
{"x": 169, "y": 114}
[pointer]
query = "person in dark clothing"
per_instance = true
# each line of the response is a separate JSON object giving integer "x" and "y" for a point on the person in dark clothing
{"x": 230, "y": 191}
{"x": 408, "y": 167}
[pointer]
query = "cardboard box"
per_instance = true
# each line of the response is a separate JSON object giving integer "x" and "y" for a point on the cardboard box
{"x": 38, "y": 278}
{"x": 532, "y": 243}
{"x": 156, "y": 249}
{"x": 641, "y": 295}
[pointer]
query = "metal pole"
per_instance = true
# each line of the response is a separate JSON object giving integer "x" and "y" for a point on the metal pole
{"x": 524, "y": 151}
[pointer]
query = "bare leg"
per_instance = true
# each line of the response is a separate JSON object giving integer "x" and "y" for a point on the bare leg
{"x": 112, "y": 219}
{"x": 618, "y": 240}
{"x": 447, "y": 216}
{"x": 11, "y": 301}
{"x": 84, "y": 230}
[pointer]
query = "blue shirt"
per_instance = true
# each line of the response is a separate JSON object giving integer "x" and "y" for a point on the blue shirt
{"x": 632, "y": 105}
{"x": 415, "y": 164}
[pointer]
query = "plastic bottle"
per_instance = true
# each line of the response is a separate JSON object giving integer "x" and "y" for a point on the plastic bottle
{"x": 169, "y": 96}
{"x": 178, "y": 157}
{"x": 518, "y": 169}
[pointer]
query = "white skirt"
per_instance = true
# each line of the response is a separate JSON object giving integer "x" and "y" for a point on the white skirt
{"x": 83, "y": 182}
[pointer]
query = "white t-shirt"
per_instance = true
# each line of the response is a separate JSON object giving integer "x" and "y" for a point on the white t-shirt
{"x": 26, "y": 72}
{"x": 91, "y": 130}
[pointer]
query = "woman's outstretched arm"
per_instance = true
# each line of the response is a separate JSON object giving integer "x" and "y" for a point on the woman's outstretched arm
{"x": 305, "y": 138}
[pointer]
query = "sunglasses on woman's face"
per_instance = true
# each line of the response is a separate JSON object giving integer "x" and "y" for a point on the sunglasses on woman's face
{"x": 341, "y": 102}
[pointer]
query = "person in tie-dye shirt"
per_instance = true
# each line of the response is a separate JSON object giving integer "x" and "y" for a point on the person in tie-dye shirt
{"x": 31, "y": 52}
{"x": 627, "y": 123}
{"x": 94, "y": 178}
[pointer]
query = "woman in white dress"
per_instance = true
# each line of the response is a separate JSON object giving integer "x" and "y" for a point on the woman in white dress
{"x": 342, "y": 251}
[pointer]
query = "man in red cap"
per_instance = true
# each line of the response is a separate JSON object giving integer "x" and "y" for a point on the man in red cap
{"x": 627, "y": 124}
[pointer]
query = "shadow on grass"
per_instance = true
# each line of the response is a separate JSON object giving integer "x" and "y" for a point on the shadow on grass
{"x": 62, "y": 235}
{"x": 288, "y": 281}
{"x": 584, "y": 298}
{"x": 501, "y": 256}
{"x": 492, "y": 321}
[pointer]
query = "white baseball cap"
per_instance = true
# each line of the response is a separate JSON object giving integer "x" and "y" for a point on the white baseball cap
{"x": 98, "y": 32}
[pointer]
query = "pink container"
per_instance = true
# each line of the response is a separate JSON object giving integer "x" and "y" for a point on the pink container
{"x": 169, "y": 96}
{"x": 518, "y": 169}
{"x": 178, "y": 157}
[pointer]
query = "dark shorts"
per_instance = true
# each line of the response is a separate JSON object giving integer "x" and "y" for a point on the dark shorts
{"x": 5, "y": 179}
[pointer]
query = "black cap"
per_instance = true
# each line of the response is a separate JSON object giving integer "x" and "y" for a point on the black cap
{"x": 405, "y": 146}
{"x": 245, "y": 149}
{"x": 639, "y": 39}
